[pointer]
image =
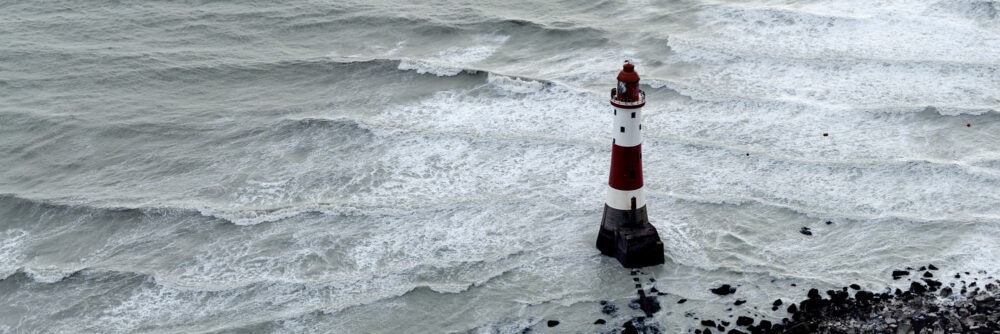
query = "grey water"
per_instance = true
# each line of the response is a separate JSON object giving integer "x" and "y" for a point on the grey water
{"x": 440, "y": 166}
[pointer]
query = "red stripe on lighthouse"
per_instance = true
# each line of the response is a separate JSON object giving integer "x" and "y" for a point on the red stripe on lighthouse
{"x": 626, "y": 167}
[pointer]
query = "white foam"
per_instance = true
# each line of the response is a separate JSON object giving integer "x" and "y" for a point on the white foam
{"x": 11, "y": 252}
{"x": 455, "y": 59}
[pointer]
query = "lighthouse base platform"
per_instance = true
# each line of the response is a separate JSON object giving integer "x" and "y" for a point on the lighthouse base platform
{"x": 628, "y": 236}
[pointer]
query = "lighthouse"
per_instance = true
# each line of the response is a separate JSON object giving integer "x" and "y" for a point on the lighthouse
{"x": 626, "y": 233}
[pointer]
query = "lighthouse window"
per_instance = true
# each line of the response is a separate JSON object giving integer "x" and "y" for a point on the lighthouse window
{"x": 616, "y": 112}
{"x": 640, "y": 126}
{"x": 633, "y": 115}
{"x": 622, "y": 129}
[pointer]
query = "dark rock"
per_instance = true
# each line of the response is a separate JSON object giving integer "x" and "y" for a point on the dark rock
{"x": 708, "y": 323}
{"x": 682, "y": 301}
{"x": 814, "y": 294}
{"x": 928, "y": 274}
{"x": 932, "y": 267}
{"x": 765, "y": 325}
{"x": 599, "y": 322}
{"x": 922, "y": 268}
{"x": 896, "y": 274}
{"x": 609, "y": 308}
{"x": 553, "y": 323}
{"x": 739, "y": 302}
{"x": 777, "y": 302}
{"x": 653, "y": 290}
{"x": 648, "y": 304}
{"x": 932, "y": 284}
{"x": 855, "y": 287}
{"x": 793, "y": 284}
{"x": 744, "y": 321}
{"x": 723, "y": 290}
{"x": 829, "y": 222}
{"x": 806, "y": 231}
{"x": 724, "y": 323}
{"x": 793, "y": 309}
{"x": 635, "y": 279}
{"x": 917, "y": 288}
{"x": 707, "y": 331}
{"x": 735, "y": 331}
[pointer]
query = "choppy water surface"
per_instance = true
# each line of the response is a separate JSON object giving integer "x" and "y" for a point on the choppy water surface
{"x": 372, "y": 166}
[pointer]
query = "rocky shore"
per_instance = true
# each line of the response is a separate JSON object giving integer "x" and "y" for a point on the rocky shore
{"x": 963, "y": 304}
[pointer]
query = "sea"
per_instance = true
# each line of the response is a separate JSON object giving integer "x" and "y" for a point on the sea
{"x": 373, "y": 166}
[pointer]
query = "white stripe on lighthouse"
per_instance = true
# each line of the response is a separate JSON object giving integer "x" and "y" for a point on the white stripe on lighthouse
{"x": 631, "y": 136}
{"x": 622, "y": 199}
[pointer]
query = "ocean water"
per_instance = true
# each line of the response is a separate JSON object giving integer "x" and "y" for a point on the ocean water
{"x": 440, "y": 166}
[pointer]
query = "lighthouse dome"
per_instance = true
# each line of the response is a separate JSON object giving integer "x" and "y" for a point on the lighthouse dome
{"x": 628, "y": 73}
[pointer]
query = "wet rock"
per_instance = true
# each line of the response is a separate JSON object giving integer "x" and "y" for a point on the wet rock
{"x": 793, "y": 309}
{"x": 739, "y": 302}
{"x": 682, "y": 301}
{"x": 928, "y": 274}
{"x": 932, "y": 267}
{"x": 946, "y": 292}
{"x": 708, "y": 323}
{"x": 599, "y": 322}
{"x": 735, "y": 331}
{"x": 553, "y": 323}
{"x": 896, "y": 274}
{"x": 829, "y": 222}
{"x": 744, "y": 321}
{"x": 917, "y": 288}
{"x": 814, "y": 294}
{"x": 855, "y": 287}
{"x": 806, "y": 231}
{"x": 723, "y": 290}
{"x": 609, "y": 308}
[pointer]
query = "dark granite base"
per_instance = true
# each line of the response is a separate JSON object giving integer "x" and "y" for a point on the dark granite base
{"x": 628, "y": 236}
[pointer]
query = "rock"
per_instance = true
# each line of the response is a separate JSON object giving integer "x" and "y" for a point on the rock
{"x": 799, "y": 329}
{"x": 917, "y": 288}
{"x": 991, "y": 287}
{"x": 896, "y": 274}
{"x": 932, "y": 267}
{"x": 739, "y": 302}
{"x": 829, "y": 222}
{"x": 946, "y": 292}
{"x": 777, "y": 302}
{"x": 814, "y": 294}
{"x": 793, "y": 309}
{"x": 928, "y": 274}
{"x": 723, "y": 290}
{"x": 744, "y": 321}
{"x": 599, "y": 322}
{"x": 855, "y": 287}
{"x": 682, "y": 301}
{"x": 708, "y": 323}
{"x": 735, "y": 331}
{"x": 922, "y": 268}
{"x": 609, "y": 308}
{"x": 806, "y": 231}
{"x": 553, "y": 323}
{"x": 984, "y": 300}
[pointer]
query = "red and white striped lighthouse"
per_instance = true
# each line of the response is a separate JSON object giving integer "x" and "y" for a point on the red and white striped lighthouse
{"x": 625, "y": 231}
